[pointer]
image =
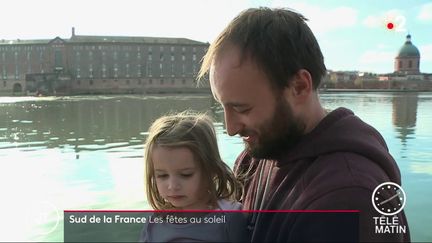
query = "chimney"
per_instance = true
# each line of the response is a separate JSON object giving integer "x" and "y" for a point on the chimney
{"x": 73, "y": 31}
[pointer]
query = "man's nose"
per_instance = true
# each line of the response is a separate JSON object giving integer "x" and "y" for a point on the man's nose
{"x": 232, "y": 123}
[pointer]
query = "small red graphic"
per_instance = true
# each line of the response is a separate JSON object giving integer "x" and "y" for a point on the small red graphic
{"x": 390, "y": 26}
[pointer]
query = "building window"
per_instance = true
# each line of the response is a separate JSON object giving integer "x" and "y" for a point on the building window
{"x": 161, "y": 82}
{"x": 115, "y": 70}
{"x": 4, "y": 72}
{"x": 149, "y": 69}
{"x": 150, "y": 57}
{"x": 194, "y": 49}
{"x": 127, "y": 70}
{"x": 172, "y": 57}
{"x": 161, "y": 57}
{"x": 77, "y": 58}
{"x": 194, "y": 57}
{"x": 183, "y": 49}
{"x": 184, "y": 81}
{"x": 16, "y": 71}
{"x": 409, "y": 64}
{"x": 172, "y": 81}
{"x": 115, "y": 55}
{"x": 4, "y": 83}
{"x": 161, "y": 69}
{"x": 79, "y": 82}
{"x": 103, "y": 70}
{"x": 91, "y": 70}
{"x": 139, "y": 70}
{"x": 91, "y": 82}
{"x": 161, "y": 49}
{"x": 400, "y": 64}
{"x": 183, "y": 69}
{"x": 127, "y": 81}
{"x": 172, "y": 48}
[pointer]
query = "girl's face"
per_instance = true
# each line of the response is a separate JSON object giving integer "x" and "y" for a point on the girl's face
{"x": 179, "y": 178}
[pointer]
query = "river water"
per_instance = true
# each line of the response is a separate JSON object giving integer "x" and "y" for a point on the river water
{"x": 86, "y": 152}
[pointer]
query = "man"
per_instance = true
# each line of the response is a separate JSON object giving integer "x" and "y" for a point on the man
{"x": 264, "y": 69}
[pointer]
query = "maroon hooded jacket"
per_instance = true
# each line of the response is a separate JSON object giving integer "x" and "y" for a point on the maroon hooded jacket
{"x": 336, "y": 166}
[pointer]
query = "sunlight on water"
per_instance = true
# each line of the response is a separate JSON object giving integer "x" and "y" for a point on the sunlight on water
{"x": 25, "y": 99}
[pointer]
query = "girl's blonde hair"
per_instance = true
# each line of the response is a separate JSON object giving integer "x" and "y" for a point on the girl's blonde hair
{"x": 196, "y": 132}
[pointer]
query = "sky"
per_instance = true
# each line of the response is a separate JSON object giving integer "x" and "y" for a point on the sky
{"x": 353, "y": 35}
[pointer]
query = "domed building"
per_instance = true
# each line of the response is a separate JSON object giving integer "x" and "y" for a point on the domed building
{"x": 408, "y": 59}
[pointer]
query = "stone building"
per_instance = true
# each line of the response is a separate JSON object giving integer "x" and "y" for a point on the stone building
{"x": 408, "y": 59}
{"x": 100, "y": 64}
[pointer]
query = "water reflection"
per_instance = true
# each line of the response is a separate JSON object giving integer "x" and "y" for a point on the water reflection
{"x": 87, "y": 125}
{"x": 405, "y": 115}
{"x": 217, "y": 111}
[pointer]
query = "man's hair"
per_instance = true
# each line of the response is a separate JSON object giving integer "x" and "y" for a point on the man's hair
{"x": 195, "y": 132}
{"x": 278, "y": 40}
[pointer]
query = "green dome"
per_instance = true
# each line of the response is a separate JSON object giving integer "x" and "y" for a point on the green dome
{"x": 408, "y": 49}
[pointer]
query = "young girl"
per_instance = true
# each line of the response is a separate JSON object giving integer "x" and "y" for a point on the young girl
{"x": 184, "y": 171}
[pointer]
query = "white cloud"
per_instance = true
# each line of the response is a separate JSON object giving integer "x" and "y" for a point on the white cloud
{"x": 321, "y": 19}
{"x": 373, "y": 21}
{"x": 426, "y": 52}
{"x": 394, "y": 16}
{"x": 195, "y": 19}
{"x": 373, "y": 57}
{"x": 425, "y": 12}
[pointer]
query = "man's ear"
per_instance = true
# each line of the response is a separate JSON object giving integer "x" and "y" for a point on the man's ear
{"x": 302, "y": 83}
{"x": 300, "y": 86}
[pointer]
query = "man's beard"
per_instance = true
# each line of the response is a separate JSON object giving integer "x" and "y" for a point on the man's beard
{"x": 279, "y": 134}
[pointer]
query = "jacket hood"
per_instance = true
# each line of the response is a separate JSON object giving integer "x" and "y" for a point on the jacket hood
{"x": 342, "y": 131}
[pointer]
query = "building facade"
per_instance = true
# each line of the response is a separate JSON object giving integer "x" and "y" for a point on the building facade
{"x": 100, "y": 64}
{"x": 408, "y": 59}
